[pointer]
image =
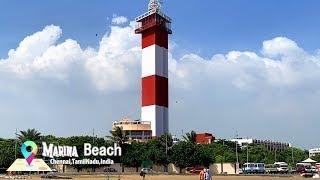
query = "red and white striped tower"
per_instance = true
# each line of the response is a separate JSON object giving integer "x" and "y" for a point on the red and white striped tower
{"x": 155, "y": 28}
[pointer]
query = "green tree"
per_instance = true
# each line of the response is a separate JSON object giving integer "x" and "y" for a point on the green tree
{"x": 156, "y": 152}
{"x": 29, "y": 135}
{"x": 183, "y": 154}
{"x": 205, "y": 154}
{"x": 134, "y": 155}
{"x": 7, "y": 153}
{"x": 52, "y": 139}
{"x": 159, "y": 149}
{"x": 300, "y": 155}
{"x": 191, "y": 137}
{"x": 260, "y": 154}
{"x": 226, "y": 151}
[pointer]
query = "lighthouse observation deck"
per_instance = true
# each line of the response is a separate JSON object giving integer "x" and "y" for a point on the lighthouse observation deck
{"x": 153, "y": 18}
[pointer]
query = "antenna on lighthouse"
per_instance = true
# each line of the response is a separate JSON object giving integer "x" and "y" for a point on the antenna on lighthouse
{"x": 154, "y": 5}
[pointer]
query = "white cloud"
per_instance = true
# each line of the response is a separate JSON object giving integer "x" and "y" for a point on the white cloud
{"x": 34, "y": 45}
{"x": 43, "y": 80}
{"x": 118, "y": 20}
{"x": 280, "y": 46}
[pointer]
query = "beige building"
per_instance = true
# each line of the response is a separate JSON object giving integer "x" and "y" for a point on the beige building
{"x": 270, "y": 145}
{"x": 135, "y": 129}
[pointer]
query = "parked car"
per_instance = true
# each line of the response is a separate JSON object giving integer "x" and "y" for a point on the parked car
{"x": 282, "y": 167}
{"x": 240, "y": 171}
{"x": 271, "y": 169}
{"x": 248, "y": 168}
{"x": 109, "y": 169}
{"x": 314, "y": 169}
{"x": 259, "y": 168}
{"x": 148, "y": 171}
{"x": 303, "y": 168}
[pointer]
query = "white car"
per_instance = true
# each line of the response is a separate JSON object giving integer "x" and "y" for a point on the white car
{"x": 314, "y": 169}
{"x": 282, "y": 167}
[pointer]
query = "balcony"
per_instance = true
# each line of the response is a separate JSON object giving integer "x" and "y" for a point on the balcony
{"x": 153, "y": 20}
{"x": 166, "y": 26}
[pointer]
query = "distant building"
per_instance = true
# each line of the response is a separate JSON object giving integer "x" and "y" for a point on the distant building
{"x": 270, "y": 145}
{"x": 204, "y": 138}
{"x": 135, "y": 129}
{"x": 175, "y": 139}
{"x": 314, "y": 152}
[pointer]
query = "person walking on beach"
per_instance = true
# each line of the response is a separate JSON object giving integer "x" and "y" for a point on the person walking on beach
{"x": 142, "y": 174}
{"x": 207, "y": 175}
{"x": 201, "y": 174}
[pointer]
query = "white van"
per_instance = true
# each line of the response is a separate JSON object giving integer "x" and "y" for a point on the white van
{"x": 282, "y": 167}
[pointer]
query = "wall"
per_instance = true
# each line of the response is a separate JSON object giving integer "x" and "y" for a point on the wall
{"x": 217, "y": 168}
{"x": 228, "y": 168}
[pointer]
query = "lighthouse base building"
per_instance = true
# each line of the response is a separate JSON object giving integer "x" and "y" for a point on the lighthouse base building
{"x": 155, "y": 27}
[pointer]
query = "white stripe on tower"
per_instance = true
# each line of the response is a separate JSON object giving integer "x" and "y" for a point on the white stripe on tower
{"x": 154, "y": 61}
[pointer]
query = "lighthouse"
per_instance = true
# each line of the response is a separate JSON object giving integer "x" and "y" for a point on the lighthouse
{"x": 155, "y": 27}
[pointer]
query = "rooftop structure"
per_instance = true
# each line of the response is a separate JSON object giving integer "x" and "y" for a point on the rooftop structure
{"x": 314, "y": 152}
{"x": 135, "y": 129}
{"x": 270, "y": 145}
{"x": 204, "y": 138}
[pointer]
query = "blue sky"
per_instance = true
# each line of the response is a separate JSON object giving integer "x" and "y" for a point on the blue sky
{"x": 247, "y": 66}
{"x": 208, "y": 26}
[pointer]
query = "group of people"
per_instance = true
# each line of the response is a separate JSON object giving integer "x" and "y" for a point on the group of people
{"x": 205, "y": 174}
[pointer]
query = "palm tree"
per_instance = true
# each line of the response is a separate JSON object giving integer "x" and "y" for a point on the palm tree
{"x": 190, "y": 137}
{"x": 29, "y": 135}
{"x": 118, "y": 135}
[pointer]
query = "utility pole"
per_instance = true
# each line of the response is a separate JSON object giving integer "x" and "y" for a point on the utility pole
{"x": 166, "y": 144}
{"x": 292, "y": 155}
{"x": 247, "y": 153}
{"x": 15, "y": 144}
{"x": 166, "y": 167}
{"x": 237, "y": 157}
{"x": 181, "y": 133}
{"x": 93, "y": 136}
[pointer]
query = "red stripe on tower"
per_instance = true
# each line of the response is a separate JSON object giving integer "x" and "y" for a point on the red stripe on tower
{"x": 155, "y": 28}
{"x": 155, "y": 91}
{"x": 157, "y": 37}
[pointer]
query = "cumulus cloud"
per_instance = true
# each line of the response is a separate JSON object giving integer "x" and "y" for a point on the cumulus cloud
{"x": 64, "y": 83}
{"x": 35, "y": 44}
{"x": 281, "y": 46}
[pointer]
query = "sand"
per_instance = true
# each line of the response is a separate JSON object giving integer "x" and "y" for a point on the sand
{"x": 177, "y": 177}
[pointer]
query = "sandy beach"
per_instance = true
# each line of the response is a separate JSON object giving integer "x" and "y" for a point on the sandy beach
{"x": 175, "y": 177}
